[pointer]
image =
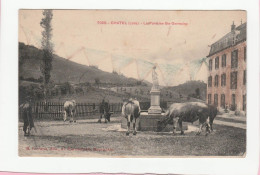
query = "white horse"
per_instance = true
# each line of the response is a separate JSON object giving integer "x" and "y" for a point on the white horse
{"x": 69, "y": 110}
{"x": 131, "y": 111}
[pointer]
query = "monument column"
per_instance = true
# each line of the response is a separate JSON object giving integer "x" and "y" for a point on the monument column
{"x": 155, "y": 95}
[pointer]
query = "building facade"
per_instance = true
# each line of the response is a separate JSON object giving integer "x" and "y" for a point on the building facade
{"x": 227, "y": 70}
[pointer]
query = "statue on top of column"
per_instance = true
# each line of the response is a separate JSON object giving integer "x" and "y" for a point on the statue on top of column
{"x": 155, "y": 79}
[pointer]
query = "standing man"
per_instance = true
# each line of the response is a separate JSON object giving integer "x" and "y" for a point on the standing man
{"x": 27, "y": 116}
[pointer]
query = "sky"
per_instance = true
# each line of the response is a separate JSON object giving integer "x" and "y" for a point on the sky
{"x": 130, "y": 42}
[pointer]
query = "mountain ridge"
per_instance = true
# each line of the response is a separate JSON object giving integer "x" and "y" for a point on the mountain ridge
{"x": 65, "y": 70}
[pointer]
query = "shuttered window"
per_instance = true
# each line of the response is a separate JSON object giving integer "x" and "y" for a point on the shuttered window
{"x": 244, "y": 102}
{"x": 216, "y": 99}
{"x": 234, "y": 59}
{"x": 244, "y": 77}
{"x": 209, "y": 98}
{"x": 210, "y": 64}
{"x": 233, "y": 80}
{"x": 223, "y": 100}
{"x": 216, "y": 62}
{"x": 245, "y": 53}
{"x": 216, "y": 81}
{"x": 223, "y": 62}
{"x": 210, "y": 81}
{"x": 223, "y": 79}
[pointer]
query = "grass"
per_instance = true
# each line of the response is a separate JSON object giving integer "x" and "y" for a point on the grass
{"x": 224, "y": 141}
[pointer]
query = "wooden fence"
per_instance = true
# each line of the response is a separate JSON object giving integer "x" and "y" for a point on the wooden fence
{"x": 55, "y": 110}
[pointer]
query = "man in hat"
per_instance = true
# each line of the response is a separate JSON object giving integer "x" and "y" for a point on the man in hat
{"x": 27, "y": 116}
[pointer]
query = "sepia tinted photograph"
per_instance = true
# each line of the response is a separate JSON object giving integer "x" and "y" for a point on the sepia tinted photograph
{"x": 132, "y": 83}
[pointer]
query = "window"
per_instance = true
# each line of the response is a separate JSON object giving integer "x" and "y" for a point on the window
{"x": 216, "y": 99}
{"x": 217, "y": 63}
{"x": 244, "y": 77}
{"x": 223, "y": 63}
{"x": 223, "y": 79}
{"x": 234, "y": 59}
{"x": 216, "y": 81}
{"x": 223, "y": 100}
{"x": 233, "y": 80}
{"x": 209, "y": 98}
{"x": 244, "y": 102}
{"x": 233, "y": 102}
{"x": 245, "y": 53}
{"x": 210, "y": 81}
{"x": 210, "y": 64}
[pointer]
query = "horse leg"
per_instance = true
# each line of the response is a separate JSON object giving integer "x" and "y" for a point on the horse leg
{"x": 29, "y": 124}
{"x": 29, "y": 129}
{"x": 208, "y": 126}
{"x": 210, "y": 123}
{"x": 128, "y": 125}
{"x": 99, "y": 120}
{"x": 180, "y": 125}
{"x": 134, "y": 127}
{"x": 71, "y": 116}
{"x": 174, "y": 125}
{"x": 25, "y": 125}
{"x": 65, "y": 116}
{"x": 105, "y": 116}
{"x": 200, "y": 129}
{"x": 74, "y": 114}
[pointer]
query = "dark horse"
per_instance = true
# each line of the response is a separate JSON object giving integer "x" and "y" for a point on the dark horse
{"x": 104, "y": 110}
{"x": 26, "y": 110}
{"x": 189, "y": 112}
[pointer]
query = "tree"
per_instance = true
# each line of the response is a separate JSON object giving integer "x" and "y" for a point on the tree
{"x": 47, "y": 47}
{"x": 197, "y": 92}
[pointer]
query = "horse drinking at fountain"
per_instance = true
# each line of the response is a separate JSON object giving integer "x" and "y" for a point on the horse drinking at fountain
{"x": 131, "y": 111}
{"x": 189, "y": 112}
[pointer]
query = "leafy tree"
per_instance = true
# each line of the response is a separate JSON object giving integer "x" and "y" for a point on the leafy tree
{"x": 197, "y": 92}
{"x": 47, "y": 47}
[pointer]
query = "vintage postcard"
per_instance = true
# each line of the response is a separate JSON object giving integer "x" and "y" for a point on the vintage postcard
{"x": 132, "y": 83}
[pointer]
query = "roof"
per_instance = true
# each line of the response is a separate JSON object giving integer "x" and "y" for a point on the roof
{"x": 230, "y": 39}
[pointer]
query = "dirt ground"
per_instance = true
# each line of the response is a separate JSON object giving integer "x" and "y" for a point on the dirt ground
{"x": 88, "y": 138}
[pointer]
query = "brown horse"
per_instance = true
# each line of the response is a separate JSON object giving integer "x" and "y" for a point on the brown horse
{"x": 131, "y": 111}
{"x": 104, "y": 110}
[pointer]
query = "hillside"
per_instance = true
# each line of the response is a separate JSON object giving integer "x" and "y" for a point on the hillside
{"x": 65, "y": 70}
{"x": 189, "y": 88}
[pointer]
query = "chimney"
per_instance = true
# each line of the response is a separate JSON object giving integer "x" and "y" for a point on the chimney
{"x": 233, "y": 27}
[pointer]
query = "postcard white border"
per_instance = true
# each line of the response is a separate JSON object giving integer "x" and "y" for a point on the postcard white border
{"x": 9, "y": 96}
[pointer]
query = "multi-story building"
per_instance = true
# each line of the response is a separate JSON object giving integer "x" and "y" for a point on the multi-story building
{"x": 227, "y": 70}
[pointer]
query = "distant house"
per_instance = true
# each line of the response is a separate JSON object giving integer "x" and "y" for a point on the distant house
{"x": 227, "y": 70}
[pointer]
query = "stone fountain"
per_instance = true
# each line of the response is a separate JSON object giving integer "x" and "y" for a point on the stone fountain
{"x": 148, "y": 120}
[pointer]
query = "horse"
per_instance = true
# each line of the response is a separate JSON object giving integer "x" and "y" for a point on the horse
{"x": 69, "y": 110}
{"x": 189, "y": 112}
{"x": 26, "y": 110}
{"x": 104, "y": 110}
{"x": 131, "y": 111}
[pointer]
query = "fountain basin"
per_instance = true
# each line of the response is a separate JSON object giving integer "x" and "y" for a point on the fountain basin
{"x": 148, "y": 122}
